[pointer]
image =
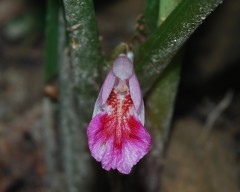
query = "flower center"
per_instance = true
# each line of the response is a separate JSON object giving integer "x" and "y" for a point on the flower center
{"x": 116, "y": 121}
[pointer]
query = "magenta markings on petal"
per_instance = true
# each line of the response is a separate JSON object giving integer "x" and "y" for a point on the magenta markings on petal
{"x": 116, "y": 135}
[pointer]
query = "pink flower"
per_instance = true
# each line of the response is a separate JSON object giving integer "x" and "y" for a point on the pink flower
{"x": 116, "y": 135}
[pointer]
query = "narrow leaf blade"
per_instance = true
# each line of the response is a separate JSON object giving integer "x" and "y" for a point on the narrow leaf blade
{"x": 157, "y": 52}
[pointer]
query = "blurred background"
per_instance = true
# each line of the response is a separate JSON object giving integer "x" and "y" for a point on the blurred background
{"x": 203, "y": 151}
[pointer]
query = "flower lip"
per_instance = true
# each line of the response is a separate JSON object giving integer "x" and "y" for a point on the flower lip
{"x": 122, "y": 67}
{"x": 116, "y": 136}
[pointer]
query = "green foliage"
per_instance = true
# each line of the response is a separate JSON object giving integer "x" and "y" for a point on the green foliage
{"x": 160, "y": 105}
{"x": 165, "y": 8}
{"x": 51, "y": 39}
{"x": 160, "y": 100}
{"x": 157, "y": 52}
{"x": 151, "y": 13}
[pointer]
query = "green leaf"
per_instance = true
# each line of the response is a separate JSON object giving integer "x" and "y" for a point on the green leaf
{"x": 160, "y": 100}
{"x": 151, "y": 14}
{"x": 157, "y": 52}
{"x": 159, "y": 107}
{"x": 166, "y": 7}
{"x": 51, "y": 39}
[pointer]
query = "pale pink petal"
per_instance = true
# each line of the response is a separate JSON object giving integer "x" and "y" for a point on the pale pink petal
{"x": 122, "y": 67}
{"x": 95, "y": 140}
{"x": 106, "y": 88}
{"x": 97, "y": 108}
{"x": 142, "y": 113}
{"x": 130, "y": 55}
{"x": 134, "y": 147}
{"x": 135, "y": 92}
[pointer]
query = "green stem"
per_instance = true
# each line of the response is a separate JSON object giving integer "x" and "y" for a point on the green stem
{"x": 85, "y": 54}
{"x": 78, "y": 92}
